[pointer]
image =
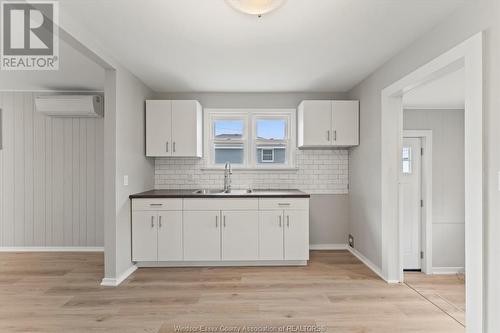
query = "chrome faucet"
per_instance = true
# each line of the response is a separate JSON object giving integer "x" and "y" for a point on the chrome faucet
{"x": 227, "y": 177}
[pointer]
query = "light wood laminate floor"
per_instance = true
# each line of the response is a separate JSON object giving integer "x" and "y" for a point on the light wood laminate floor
{"x": 445, "y": 291}
{"x": 60, "y": 292}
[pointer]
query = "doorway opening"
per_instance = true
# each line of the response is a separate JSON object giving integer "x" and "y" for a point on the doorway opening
{"x": 467, "y": 55}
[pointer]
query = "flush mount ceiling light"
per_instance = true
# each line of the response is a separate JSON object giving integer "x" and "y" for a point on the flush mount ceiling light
{"x": 255, "y": 7}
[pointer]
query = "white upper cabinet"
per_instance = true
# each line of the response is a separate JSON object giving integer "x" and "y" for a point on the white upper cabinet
{"x": 328, "y": 124}
{"x": 173, "y": 128}
{"x": 158, "y": 128}
{"x": 345, "y": 123}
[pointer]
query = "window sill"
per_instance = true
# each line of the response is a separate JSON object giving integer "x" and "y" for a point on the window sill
{"x": 251, "y": 169}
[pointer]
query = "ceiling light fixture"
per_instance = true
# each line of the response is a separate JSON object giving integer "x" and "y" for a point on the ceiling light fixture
{"x": 255, "y": 7}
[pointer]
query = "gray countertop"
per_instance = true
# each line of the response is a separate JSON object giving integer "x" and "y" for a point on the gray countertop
{"x": 291, "y": 193}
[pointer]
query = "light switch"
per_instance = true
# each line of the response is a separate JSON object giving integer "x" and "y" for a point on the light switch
{"x": 125, "y": 180}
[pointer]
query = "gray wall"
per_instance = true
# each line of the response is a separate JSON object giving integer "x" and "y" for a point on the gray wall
{"x": 125, "y": 96}
{"x": 365, "y": 164}
{"x": 51, "y": 177}
{"x": 448, "y": 182}
{"x": 329, "y": 212}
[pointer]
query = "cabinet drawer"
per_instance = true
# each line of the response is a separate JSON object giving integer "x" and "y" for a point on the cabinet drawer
{"x": 156, "y": 204}
{"x": 221, "y": 204}
{"x": 284, "y": 203}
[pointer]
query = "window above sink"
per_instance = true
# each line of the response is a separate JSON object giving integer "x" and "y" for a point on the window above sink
{"x": 250, "y": 138}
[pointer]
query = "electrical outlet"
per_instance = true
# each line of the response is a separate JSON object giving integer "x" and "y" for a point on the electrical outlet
{"x": 350, "y": 240}
{"x": 125, "y": 180}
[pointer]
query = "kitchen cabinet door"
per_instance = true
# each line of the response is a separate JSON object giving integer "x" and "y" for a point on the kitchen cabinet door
{"x": 144, "y": 236}
{"x": 271, "y": 235}
{"x": 296, "y": 234}
{"x": 158, "y": 128}
{"x": 345, "y": 123}
{"x": 240, "y": 235}
{"x": 202, "y": 235}
{"x": 186, "y": 129}
{"x": 315, "y": 124}
{"x": 169, "y": 235}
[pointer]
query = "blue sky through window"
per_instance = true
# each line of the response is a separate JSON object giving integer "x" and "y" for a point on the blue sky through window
{"x": 271, "y": 129}
{"x": 228, "y": 128}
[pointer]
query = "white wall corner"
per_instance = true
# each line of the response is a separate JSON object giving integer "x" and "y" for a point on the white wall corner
{"x": 369, "y": 264}
{"x": 115, "y": 282}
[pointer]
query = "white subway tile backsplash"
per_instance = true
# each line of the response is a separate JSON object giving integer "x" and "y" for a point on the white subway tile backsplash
{"x": 317, "y": 172}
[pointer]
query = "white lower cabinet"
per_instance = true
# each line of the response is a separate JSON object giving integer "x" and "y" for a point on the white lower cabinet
{"x": 220, "y": 230}
{"x": 202, "y": 235}
{"x": 284, "y": 235}
{"x": 170, "y": 235}
{"x": 240, "y": 235}
{"x": 144, "y": 236}
{"x": 271, "y": 235}
{"x": 296, "y": 234}
{"x": 156, "y": 235}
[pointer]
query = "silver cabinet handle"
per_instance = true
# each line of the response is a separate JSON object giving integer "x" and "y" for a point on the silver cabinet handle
{"x": 156, "y": 204}
{"x": 152, "y": 221}
{"x": 173, "y": 146}
{"x": 288, "y": 221}
{"x": 279, "y": 221}
{"x": 224, "y": 221}
{"x": 159, "y": 221}
{"x": 216, "y": 221}
{"x": 328, "y": 135}
{"x": 335, "y": 135}
{"x": 283, "y": 204}
{"x": 167, "y": 146}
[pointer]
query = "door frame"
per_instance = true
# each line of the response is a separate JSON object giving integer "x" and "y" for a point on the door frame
{"x": 468, "y": 54}
{"x": 426, "y": 192}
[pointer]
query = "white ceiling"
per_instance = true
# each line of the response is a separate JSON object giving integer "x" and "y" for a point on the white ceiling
{"x": 76, "y": 72}
{"x": 447, "y": 92}
{"x": 194, "y": 45}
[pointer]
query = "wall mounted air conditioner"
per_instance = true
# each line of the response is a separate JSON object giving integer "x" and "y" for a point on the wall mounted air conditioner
{"x": 70, "y": 105}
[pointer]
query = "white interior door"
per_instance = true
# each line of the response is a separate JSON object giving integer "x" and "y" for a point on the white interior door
{"x": 410, "y": 203}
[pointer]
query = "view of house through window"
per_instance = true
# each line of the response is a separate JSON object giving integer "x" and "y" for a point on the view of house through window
{"x": 250, "y": 138}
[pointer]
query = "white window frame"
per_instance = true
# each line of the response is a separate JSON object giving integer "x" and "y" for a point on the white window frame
{"x": 249, "y": 140}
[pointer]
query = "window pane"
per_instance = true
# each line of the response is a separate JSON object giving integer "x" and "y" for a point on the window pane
{"x": 271, "y": 129}
{"x": 228, "y": 129}
{"x": 271, "y": 155}
{"x": 406, "y": 161}
{"x": 229, "y": 153}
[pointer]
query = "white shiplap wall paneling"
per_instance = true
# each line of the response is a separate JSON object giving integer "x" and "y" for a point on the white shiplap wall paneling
{"x": 51, "y": 177}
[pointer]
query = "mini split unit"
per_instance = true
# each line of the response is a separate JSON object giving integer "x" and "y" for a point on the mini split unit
{"x": 84, "y": 106}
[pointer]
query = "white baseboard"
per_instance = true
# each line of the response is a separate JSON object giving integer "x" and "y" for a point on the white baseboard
{"x": 327, "y": 246}
{"x": 248, "y": 263}
{"x": 447, "y": 270}
{"x": 51, "y": 249}
{"x": 369, "y": 264}
{"x": 110, "y": 282}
